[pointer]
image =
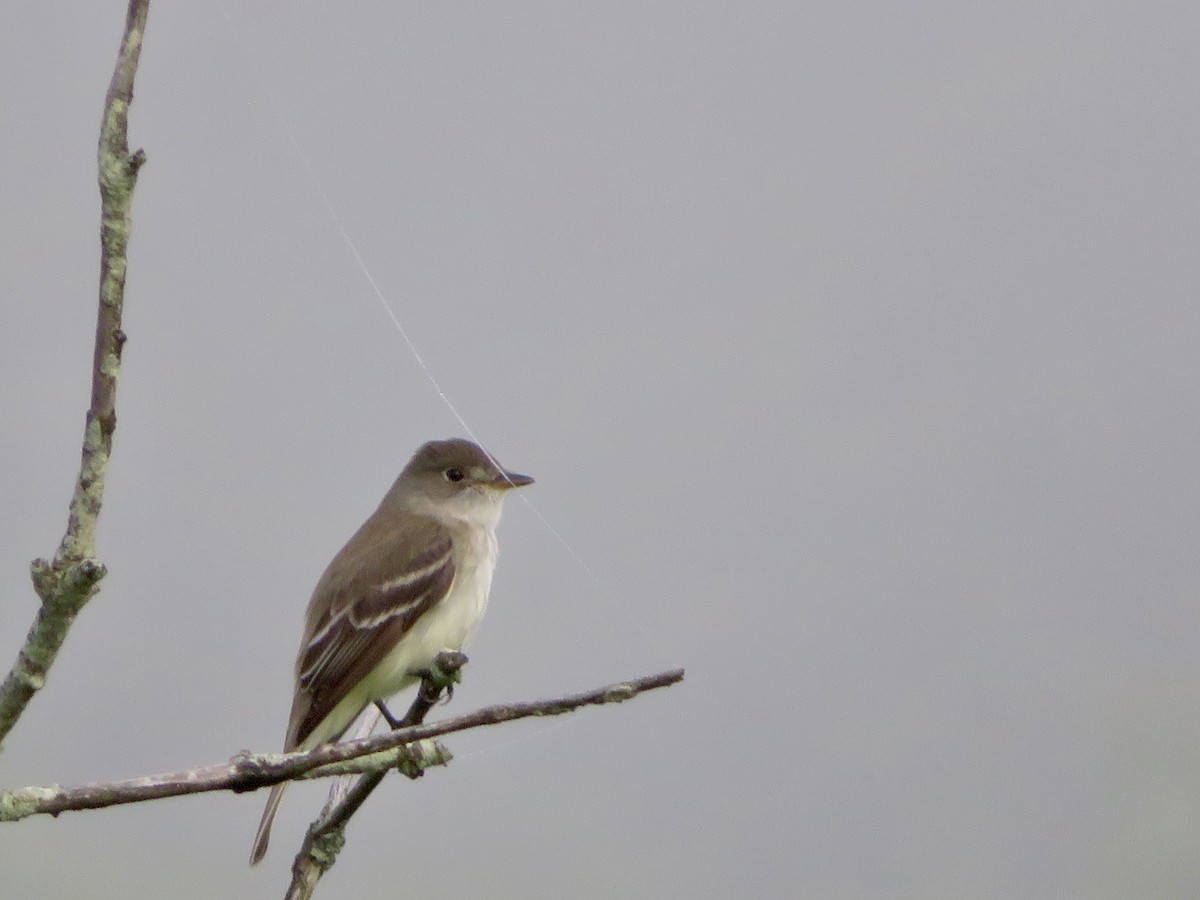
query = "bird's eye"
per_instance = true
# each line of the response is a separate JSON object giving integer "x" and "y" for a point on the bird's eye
{"x": 454, "y": 474}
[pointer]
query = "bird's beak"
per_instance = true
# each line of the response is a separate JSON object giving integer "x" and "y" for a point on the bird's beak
{"x": 508, "y": 480}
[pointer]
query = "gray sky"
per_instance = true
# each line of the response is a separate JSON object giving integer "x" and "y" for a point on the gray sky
{"x": 854, "y": 349}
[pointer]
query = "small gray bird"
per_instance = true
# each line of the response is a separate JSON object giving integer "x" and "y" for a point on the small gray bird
{"x": 412, "y": 581}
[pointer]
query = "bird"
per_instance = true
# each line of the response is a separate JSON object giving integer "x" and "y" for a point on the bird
{"x": 412, "y": 582}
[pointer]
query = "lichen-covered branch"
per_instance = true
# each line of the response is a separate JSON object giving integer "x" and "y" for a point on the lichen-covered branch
{"x": 326, "y": 834}
{"x": 248, "y": 772}
{"x": 67, "y": 582}
{"x": 242, "y": 773}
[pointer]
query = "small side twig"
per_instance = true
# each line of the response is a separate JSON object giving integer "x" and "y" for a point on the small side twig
{"x": 67, "y": 582}
{"x": 248, "y": 772}
{"x": 325, "y": 836}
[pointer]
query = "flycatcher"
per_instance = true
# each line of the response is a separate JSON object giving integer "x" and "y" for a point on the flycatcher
{"x": 412, "y": 581}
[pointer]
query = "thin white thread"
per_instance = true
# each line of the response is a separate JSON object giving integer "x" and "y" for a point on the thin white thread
{"x": 260, "y": 84}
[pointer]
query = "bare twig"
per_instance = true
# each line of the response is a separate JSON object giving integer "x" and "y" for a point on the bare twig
{"x": 69, "y": 581}
{"x": 326, "y": 835}
{"x": 249, "y": 772}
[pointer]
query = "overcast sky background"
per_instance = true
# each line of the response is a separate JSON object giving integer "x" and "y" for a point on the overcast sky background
{"x": 854, "y": 348}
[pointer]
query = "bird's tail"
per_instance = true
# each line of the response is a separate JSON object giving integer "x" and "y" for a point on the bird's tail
{"x": 263, "y": 836}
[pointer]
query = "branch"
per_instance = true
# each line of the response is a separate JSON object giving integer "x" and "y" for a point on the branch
{"x": 67, "y": 583}
{"x": 248, "y": 772}
{"x": 326, "y": 835}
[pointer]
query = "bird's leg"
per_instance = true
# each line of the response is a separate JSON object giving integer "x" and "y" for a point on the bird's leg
{"x": 445, "y": 672}
{"x": 392, "y": 721}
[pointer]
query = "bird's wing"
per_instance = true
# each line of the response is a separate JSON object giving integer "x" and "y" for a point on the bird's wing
{"x": 361, "y": 609}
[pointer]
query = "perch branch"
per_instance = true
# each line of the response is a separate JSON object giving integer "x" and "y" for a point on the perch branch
{"x": 248, "y": 772}
{"x": 326, "y": 835}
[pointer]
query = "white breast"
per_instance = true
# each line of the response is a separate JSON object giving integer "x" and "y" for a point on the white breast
{"x": 447, "y": 626}
{"x": 450, "y": 624}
